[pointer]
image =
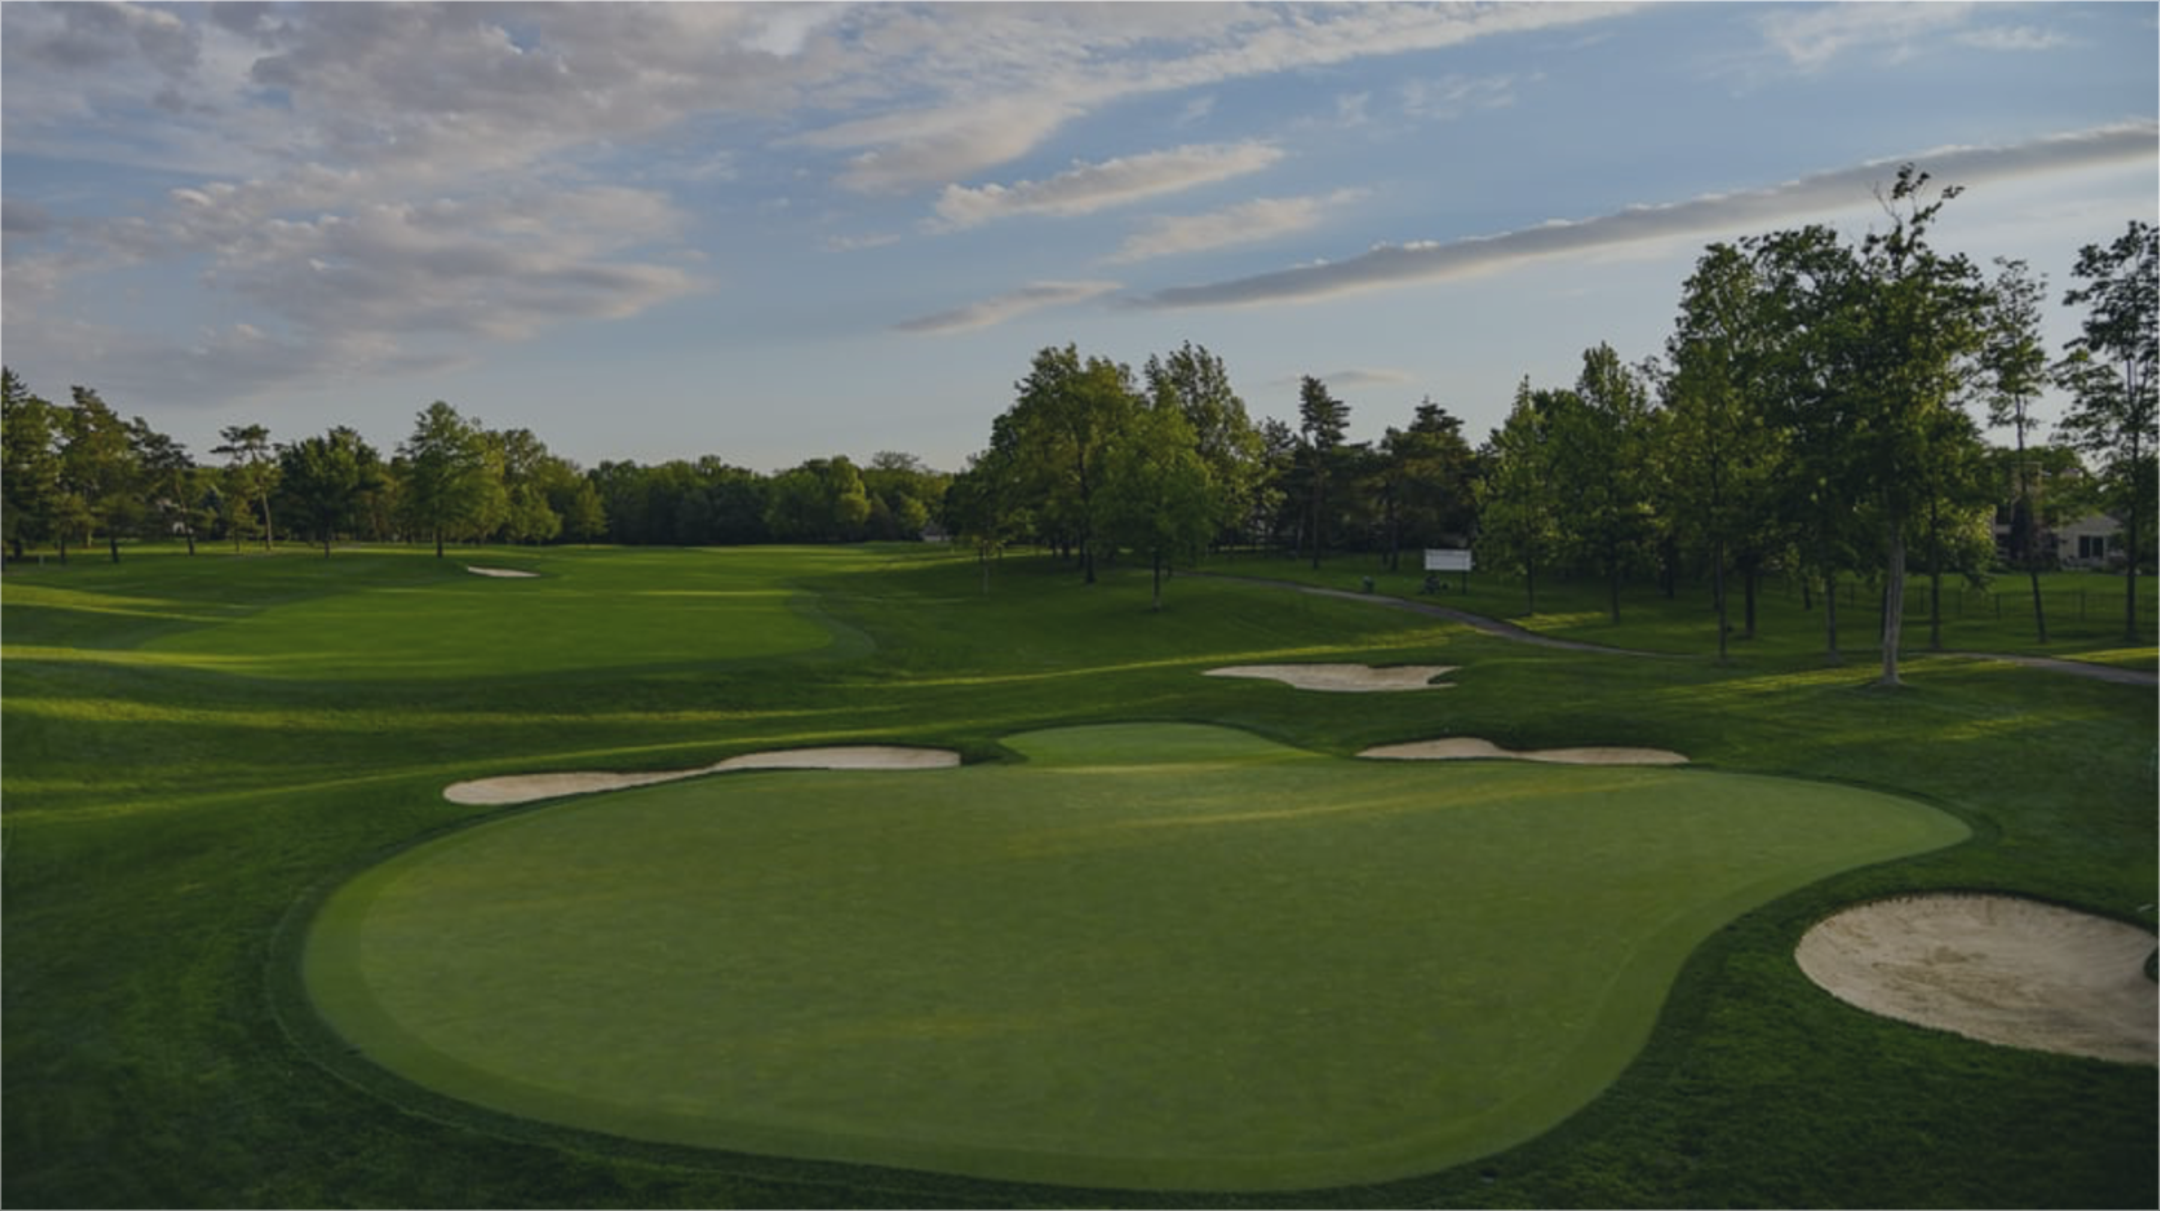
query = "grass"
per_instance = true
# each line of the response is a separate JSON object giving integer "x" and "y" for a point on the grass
{"x": 2084, "y": 611}
{"x": 178, "y": 791}
{"x": 1145, "y": 955}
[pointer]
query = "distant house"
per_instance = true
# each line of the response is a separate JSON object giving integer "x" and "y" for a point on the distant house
{"x": 2090, "y": 542}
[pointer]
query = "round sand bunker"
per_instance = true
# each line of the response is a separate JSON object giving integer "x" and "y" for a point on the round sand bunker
{"x": 1996, "y": 968}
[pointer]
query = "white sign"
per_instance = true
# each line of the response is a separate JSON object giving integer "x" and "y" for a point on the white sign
{"x": 1446, "y": 559}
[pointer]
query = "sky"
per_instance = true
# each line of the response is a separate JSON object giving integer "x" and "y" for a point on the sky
{"x": 770, "y": 233}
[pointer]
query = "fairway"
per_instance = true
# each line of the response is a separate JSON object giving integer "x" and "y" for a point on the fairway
{"x": 1156, "y": 956}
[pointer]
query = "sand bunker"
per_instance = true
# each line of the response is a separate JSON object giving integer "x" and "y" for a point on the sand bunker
{"x": 498, "y": 572}
{"x": 1465, "y": 748}
{"x": 1996, "y": 968}
{"x": 528, "y": 788}
{"x": 1343, "y": 678}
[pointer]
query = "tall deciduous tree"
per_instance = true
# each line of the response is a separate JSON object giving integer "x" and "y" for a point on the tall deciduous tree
{"x": 1516, "y": 496}
{"x": 1197, "y": 383}
{"x": 451, "y": 476}
{"x": 326, "y": 479}
{"x": 2111, "y": 375}
{"x": 1158, "y": 493}
{"x": 171, "y": 482}
{"x": 1918, "y": 319}
{"x": 2013, "y": 369}
{"x": 1720, "y": 449}
{"x": 1066, "y": 418}
{"x": 1598, "y": 446}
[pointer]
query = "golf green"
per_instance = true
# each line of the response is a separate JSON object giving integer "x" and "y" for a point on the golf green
{"x": 1152, "y": 956}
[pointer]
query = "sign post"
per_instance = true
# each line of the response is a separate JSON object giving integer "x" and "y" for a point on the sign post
{"x": 1448, "y": 559}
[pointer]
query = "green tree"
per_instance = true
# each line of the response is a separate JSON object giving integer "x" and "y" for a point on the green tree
{"x": 1516, "y": 495}
{"x": 2110, "y": 375}
{"x": 1068, "y": 415}
{"x": 326, "y": 480}
{"x": 29, "y": 463}
{"x": 171, "y": 484}
{"x": 1158, "y": 495}
{"x": 452, "y": 475}
{"x": 1323, "y": 421}
{"x": 2013, "y": 369}
{"x": 1432, "y": 472}
{"x": 823, "y": 500}
{"x": 1597, "y": 439}
{"x": 1809, "y": 277}
{"x": 1720, "y": 451}
{"x": 983, "y": 504}
{"x": 100, "y": 480}
{"x": 1918, "y": 320}
{"x": 584, "y": 517}
{"x": 251, "y": 472}
{"x": 1197, "y": 383}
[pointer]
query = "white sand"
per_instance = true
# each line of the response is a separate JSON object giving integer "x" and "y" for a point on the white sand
{"x": 1996, "y": 968}
{"x": 528, "y": 788}
{"x": 512, "y": 572}
{"x": 1343, "y": 678}
{"x": 1465, "y": 748}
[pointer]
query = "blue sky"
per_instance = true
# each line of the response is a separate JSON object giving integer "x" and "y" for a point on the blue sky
{"x": 777, "y": 232}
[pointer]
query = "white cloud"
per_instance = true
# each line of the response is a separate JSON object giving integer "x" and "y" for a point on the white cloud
{"x": 1086, "y": 188}
{"x": 995, "y": 85}
{"x": 2011, "y": 38}
{"x": 1810, "y": 37}
{"x": 1254, "y": 222}
{"x": 1398, "y": 264}
{"x": 1033, "y": 297}
{"x": 1452, "y": 96}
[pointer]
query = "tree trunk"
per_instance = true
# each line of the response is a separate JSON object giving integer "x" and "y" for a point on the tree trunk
{"x": 112, "y": 543}
{"x": 1893, "y": 619}
{"x": 1158, "y": 581}
{"x": 1612, "y": 577}
{"x": 1717, "y": 589}
{"x": 438, "y": 542}
{"x": 1750, "y": 578}
{"x": 1830, "y": 615}
{"x": 2130, "y": 572}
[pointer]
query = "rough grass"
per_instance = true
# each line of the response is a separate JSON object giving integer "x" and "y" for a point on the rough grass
{"x": 170, "y": 802}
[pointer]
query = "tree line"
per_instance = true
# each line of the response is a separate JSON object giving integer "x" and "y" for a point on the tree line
{"x": 1817, "y": 412}
{"x": 76, "y": 472}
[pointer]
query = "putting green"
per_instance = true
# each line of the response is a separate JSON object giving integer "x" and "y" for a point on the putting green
{"x": 1162, "y": 956}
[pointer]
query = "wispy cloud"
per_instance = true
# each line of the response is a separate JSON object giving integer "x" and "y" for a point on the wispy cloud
{"x": 1086, "y": 188}
{"x": 2012, "y": 38}
{"x": 1254, "y": 222}
{"x": 1399, "y": 264}
{"x": 1035, "y": 296}
{"x": 1810, "y": 37}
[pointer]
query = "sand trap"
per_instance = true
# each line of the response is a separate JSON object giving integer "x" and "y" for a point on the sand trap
{"x": 1465, "y": 748}
{"x": 1996, "y": 968}
{"x": 528, "y": 788}
{"x": 512, "y": 572}
{"x": 1343, "y": 678}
